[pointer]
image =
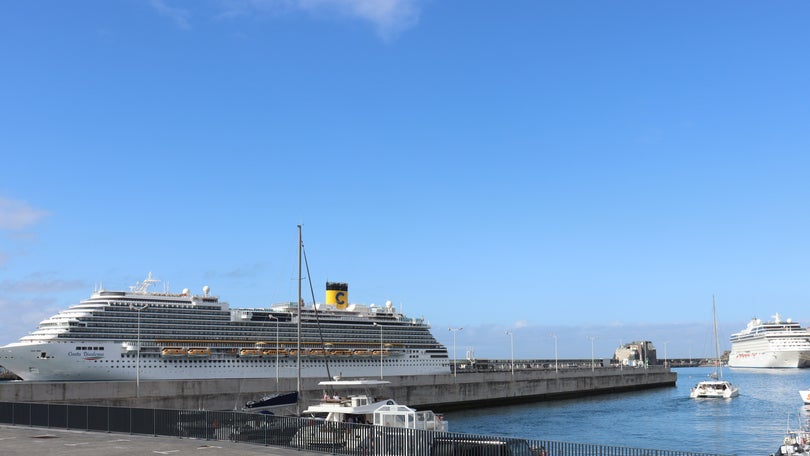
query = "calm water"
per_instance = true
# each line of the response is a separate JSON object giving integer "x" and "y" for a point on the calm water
{"x": 664, "y": 418}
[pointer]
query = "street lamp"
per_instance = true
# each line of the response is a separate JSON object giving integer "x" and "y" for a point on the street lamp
{"x": 555, "y": 352}
{"x": 381, "y": 349}
{"x": 512, "y": 349}
{"x": 277, "y": 348}
{"x": 138, "y": 353}
{"x": 454, "y": 331}
{"x": 592, "y": 358}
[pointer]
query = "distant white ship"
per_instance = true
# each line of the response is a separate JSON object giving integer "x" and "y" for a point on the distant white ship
{"x": 141, "y": 334}
{"x": 770, "y": 344}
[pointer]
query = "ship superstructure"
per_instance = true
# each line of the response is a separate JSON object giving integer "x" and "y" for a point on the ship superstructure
{"x": 778, "y": 343}
{"x": 118, "y": 335}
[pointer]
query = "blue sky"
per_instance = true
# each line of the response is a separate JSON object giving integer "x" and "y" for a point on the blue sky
{"x": 582, "y": 168}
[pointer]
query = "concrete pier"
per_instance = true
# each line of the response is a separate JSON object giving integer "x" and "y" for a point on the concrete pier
{"x": 436, "y": 392}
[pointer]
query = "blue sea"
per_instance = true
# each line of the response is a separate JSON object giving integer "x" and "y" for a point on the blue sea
{"x": 664, "y": 418}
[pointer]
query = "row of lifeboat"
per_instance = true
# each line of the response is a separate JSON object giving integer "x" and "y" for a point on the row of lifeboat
{"x": 177, "y": 352}
{"x": 256, "y": 352}
{"x": 201, "y": 352}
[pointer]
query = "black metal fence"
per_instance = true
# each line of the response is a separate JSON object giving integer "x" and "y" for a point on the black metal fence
{"x": 311, "y": 434}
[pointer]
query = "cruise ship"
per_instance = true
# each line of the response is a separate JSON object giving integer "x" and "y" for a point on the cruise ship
{"x": 770, "y": 344}
{"x": 146, "y": 335}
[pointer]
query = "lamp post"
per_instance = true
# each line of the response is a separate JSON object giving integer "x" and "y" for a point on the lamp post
{"x": 277, "y": 348}
{"x": 665, "y": 353}
{"x": 512, "y": 349}
{"x": 138, "y": 352}
{"x": 381, "y": 349}
{"x": 555, "y": 351}
{"x": 454, "y": 331}
{"x": 592, "y": 357}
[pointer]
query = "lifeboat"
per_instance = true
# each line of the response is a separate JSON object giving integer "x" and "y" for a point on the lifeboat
{"x": 250, "y": 352}
{"x": 317, "y": 352}
{"x": 381, "y": 353}
{"x": 294, "y": 352}
{"x": 198, "y": 352}
{"x": 173, "y": 352}
{"x": 274, "y": 352}
{"x": 340, "y": 352}
{"x": 363, "y": 353}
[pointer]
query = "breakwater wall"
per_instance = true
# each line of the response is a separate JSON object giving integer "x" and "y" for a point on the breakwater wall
{"x": 436, "y": 392}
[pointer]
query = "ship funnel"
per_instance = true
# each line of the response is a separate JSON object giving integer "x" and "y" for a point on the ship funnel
{"x": 337, "y": 294}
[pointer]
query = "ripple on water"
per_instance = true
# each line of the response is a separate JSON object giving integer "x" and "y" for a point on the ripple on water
{"x": 663, "y": 418}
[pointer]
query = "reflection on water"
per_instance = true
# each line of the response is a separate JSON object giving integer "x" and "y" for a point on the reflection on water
{"x": 663, "y": 418}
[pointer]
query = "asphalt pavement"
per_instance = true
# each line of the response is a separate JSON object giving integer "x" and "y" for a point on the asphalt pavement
{"x": 32, "y": 441}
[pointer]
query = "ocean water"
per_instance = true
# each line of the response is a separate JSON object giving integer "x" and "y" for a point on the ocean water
{"x": 664, "y": 418}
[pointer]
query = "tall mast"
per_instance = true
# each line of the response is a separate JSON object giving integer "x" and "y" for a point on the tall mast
{"x": 717, "y": 370}
{"x": 298, "y": 346}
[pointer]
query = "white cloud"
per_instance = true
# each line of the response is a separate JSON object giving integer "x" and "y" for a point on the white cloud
{"x": 18, "y": 215}
{"x": 49, "y": 286}
{"x": 389, "y": 17}
{"x": 178, "y": 15}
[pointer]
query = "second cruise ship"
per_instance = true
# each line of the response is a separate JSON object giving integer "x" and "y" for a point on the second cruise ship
{"x": 778, "y": 343}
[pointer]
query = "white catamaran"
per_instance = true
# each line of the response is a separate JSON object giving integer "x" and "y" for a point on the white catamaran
{"x": 717, "y": 387}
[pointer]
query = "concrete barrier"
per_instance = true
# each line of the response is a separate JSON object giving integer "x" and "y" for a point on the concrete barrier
{"x": 436, "y": 392}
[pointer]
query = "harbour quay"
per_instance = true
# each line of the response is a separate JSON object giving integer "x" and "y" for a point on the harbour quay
{"x": 27, "y": 441}
{"x": 459, "y": 389}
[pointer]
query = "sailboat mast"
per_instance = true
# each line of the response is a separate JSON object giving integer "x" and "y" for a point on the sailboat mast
{"x": 717, "y": 370}
{"x": 298, "y": 346}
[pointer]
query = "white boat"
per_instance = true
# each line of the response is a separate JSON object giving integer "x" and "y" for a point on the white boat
{"x": 365, "y": 409}
{"x": 805, "y": 394}
{"x": 720, "y": 389}
{"x": 143, "y": 334}
{"x": 341, "y": 419}
{"x": 777, "y": 343}
{"x": 795, "y": 441}
{"x": 716, "y": 387}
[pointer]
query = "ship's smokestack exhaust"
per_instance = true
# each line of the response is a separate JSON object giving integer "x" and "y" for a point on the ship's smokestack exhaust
{"x": 337, "y": 294}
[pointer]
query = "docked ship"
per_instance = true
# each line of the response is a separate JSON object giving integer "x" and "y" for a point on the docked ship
{"x": 147, "y": 335}
{"x": 776, "y": 343}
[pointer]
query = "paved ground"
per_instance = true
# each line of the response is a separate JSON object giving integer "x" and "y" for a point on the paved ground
{"x": 27, "y": 441}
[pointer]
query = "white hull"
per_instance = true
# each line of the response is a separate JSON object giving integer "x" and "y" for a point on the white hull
{"x": 769, "y": 359}
{"x": 805, "y": 394}
{"x": 113, "y": 362}
{"x": 714, "y": 389}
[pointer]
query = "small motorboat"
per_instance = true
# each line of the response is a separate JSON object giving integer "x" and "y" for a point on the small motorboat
{"x": 271, "y": 401}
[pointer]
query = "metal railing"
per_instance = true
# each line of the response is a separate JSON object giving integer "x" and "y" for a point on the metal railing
{"x": 350, "y": 439}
